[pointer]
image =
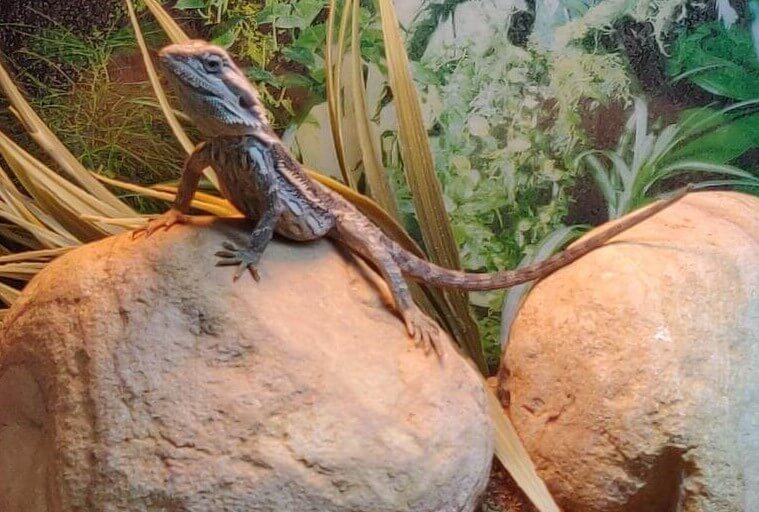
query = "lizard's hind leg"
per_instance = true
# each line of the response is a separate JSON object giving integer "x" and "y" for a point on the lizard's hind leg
{"x": 368, "y": 242}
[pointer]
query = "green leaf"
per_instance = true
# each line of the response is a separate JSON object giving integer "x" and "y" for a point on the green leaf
{"x": 311, "y": 39}
{"x": 721, "y": 144}
{"x": 226, "y": 33}
{"x": 272, "y": 13}
{"x": 185, "y": 5}
{"x": 301, "y": 55}
{"x": 261, "y": 75}
{"x": 308, "y": 10}
{"x": 719, "y": 60}
{"x": 700, "y": 166}
{"x": 289, "y": 21}
{"x": 295, "y": 80}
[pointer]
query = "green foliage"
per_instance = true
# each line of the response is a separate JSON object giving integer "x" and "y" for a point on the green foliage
{"x": 702, "y": 142}
{"x": 507, "y": 123}
{"x": 719, "y": 60}
{"x": 210, "y": 10}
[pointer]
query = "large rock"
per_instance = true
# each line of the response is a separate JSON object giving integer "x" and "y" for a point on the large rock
{"x": 136, "y": 376}
{"x": 633, "y": 375}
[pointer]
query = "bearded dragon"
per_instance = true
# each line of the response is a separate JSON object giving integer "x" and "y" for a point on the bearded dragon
{"x": 264, "y": 182}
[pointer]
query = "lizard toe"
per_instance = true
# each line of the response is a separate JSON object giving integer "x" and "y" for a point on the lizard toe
{"x": 422, "y": 331}
{"x": 243, "y": 259}
{"x": 230, "y": 246}
{"x": 164, "y": 221}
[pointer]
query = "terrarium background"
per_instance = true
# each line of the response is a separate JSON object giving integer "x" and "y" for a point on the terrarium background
{"x": 535, "y": 110}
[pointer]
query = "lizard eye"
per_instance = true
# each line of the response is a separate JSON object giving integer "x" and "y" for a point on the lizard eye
{"x": 212, "y": 64}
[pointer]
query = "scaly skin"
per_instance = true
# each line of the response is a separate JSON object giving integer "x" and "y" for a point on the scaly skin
{"x": 259, "y": 177}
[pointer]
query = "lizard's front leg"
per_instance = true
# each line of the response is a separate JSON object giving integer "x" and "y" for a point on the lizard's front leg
{"x": 272, "y": 207}
{"x": 193, "y": 169}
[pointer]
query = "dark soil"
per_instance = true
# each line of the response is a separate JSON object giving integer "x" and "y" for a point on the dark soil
{"x": 18, "y": 17}
{"x": 503, "y": 494}
{"x": 589, "y": 206}
{"x": 521, "y": 25}
{"x": 81, "y": 16}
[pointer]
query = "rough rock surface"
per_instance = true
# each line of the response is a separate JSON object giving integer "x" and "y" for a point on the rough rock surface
{"x": 136, "y": 376}
{"x": 633, "y": 375}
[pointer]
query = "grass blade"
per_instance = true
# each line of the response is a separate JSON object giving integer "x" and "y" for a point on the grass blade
{"x": 14, "y": 200}
{"x": 696, "y": 166}
{"x": 8, "y": 294}
{"x": 55, "y": 195}
{"x": 200, "y": 196}
{"x": 21, "y": 271}
{"x": 212, "y": 208}
{"x": 43, "y": 255}
{"x": 45, "y": 237}
{"x": 374, "y": 170}
{"x": 333, "y": 92}
{"x": 163, "y": 101}
{"x": 516, "y": 460}
{"x": 420, "y": 174}
{"x": 176, "y": 34}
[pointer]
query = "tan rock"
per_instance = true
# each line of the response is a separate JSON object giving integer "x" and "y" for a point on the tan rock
{"x": 634, "y": 373}
{"x": 136, "y": 376}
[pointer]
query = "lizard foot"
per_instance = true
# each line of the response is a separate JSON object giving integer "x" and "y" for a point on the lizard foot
{"x": 165, "y": 221}
{"x": 244, "y": 259}
{"x": 423, "y": 330}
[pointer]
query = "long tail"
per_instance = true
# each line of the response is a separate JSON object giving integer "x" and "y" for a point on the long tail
{"x": 422, "y": 270}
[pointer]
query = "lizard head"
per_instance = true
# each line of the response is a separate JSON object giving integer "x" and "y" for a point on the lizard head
{"x": 213, "y": 91}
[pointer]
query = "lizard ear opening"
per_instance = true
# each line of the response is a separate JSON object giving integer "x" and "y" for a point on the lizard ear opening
{"x": 245, "y": 102}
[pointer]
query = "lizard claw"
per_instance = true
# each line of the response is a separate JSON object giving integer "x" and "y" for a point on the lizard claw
{"x": 165, "y": 221}
{"x": 243, "y": 258}
{"x": 424, "y": 332}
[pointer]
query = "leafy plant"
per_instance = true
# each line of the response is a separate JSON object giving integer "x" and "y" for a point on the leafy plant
{"x": 702, "y": 142}
{"x": 67, "y": 55}
{"x": 721, "y": 61}
{"x": 507, "y": 126}
{"x": 114, "y": 127}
